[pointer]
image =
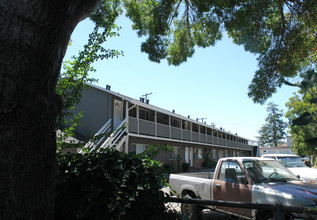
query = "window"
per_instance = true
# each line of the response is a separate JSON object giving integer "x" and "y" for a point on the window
{"x": 291, "y": 162}
{"x": 186, "y": 125}
{"x": 195, "y": 127}
{"x": 140, "y": 148}
{"x": 176, "y": 153}
{"x": 162, "y": 118}
{"x": 176, "y": 122}
{"x": 199, "y": 153}
{"x": 202, "y": 129}
{"x": 146, "y": 114}
{"x": 209, "y": 131}
{"x": 220, "y": 154}
{"x": 231, "y": 172}
{"x": 132, "y": 111}
{"x": 260, "y": 171}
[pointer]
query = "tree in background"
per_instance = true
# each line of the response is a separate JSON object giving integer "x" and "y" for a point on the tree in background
{"x": 303, "y": 106}
{"x": 273, "y": 131}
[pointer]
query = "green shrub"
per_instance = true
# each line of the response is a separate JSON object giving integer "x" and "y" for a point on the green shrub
{"x": 109, "y": 185}
{"x": 213, "y": 164}
{"x": 209, "y": 164}
{"x": 185, "y": 166}
{"x": 169, "y": 168}
{"x": 205, "y": 164}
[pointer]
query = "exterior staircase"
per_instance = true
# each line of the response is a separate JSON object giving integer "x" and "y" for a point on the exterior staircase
{"x": 106, "y": 138}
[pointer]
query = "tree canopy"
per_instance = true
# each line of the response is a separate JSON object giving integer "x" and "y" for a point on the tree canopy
{"x": 273, "y": 131}
{"x": 282, "y": 33}
{"x": 302, "y": 114}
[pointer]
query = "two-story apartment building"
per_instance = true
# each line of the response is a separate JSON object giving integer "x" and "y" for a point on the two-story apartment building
{"x": 143, "y": 125}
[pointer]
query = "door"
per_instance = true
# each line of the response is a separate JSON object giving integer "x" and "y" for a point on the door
{"x": 187, "y": 154}
{"x": 117, "y": 113}
{"x": 231, "y": 185}
{"x": 191, "y": 157}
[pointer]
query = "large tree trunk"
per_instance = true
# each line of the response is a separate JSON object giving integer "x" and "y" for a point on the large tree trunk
{"x": 33, "y": 40}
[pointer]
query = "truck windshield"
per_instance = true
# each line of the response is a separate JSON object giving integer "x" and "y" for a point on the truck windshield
{"x": 291, "y": 162}
{"x": 267, "y": 171}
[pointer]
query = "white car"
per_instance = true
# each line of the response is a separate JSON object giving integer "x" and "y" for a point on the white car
{"x": 296, "y": 166}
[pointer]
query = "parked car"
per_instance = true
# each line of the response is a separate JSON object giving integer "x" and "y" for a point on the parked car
{"x": 296, "y": 165}
{"x": 245, "y": 179}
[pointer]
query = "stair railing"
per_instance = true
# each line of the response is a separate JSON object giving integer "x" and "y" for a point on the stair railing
{"x": 116, "y": 136}
{"x": 92, "y": 144}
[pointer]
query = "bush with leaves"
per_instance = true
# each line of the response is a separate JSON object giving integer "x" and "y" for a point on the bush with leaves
{"x": 185, "y": 166}
{"x": 209, "y": 164}
{"x": 170, "y": 168}
{"x": 110, "y": 185}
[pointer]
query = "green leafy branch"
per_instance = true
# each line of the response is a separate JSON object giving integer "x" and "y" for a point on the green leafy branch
{"x": 75, "y": 75}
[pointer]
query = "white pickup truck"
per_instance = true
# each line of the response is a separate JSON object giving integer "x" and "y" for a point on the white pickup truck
{"x": 245, "y": 179}
{"x": 296, "y": 166}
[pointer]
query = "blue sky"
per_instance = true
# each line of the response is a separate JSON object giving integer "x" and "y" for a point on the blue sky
{"x": 213, "y": 84}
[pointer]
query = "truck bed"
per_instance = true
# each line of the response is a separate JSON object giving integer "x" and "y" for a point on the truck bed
{"x": 200, "y": 183}
{"x": 205, "y": 175}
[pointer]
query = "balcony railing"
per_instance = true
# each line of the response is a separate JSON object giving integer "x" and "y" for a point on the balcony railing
{"x": 149, "y": 128}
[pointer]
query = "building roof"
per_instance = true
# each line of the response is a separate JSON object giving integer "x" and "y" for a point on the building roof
{"x": 155, "y": 108}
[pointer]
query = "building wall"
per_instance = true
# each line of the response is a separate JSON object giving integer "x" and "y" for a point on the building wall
{"x": 97, "y": 110}
{"x": 275, "y": 150}
{"x": 214, "y": 152}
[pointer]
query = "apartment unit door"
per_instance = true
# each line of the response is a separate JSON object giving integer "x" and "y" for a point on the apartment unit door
{"x": 189, "y": 156}
{"x": 117, "y": 113}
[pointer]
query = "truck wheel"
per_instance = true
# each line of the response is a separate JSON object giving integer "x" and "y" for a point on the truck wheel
{"x": 191, "y": 211}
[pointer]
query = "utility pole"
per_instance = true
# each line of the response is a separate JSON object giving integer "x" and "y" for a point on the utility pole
{"x": 202, "y": 119}
{"x": 146, "y": 95}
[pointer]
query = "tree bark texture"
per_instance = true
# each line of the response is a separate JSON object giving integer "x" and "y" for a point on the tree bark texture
{"x": 33, "y": 39}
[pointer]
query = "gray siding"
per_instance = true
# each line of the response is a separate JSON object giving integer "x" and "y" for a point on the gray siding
{"x": 163, "y": 131}
{"x": 176, "y": 133}
{"x": 147, "y": 128}
{"x": 133, "y": 125}
{"x": 97, "y": 110}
